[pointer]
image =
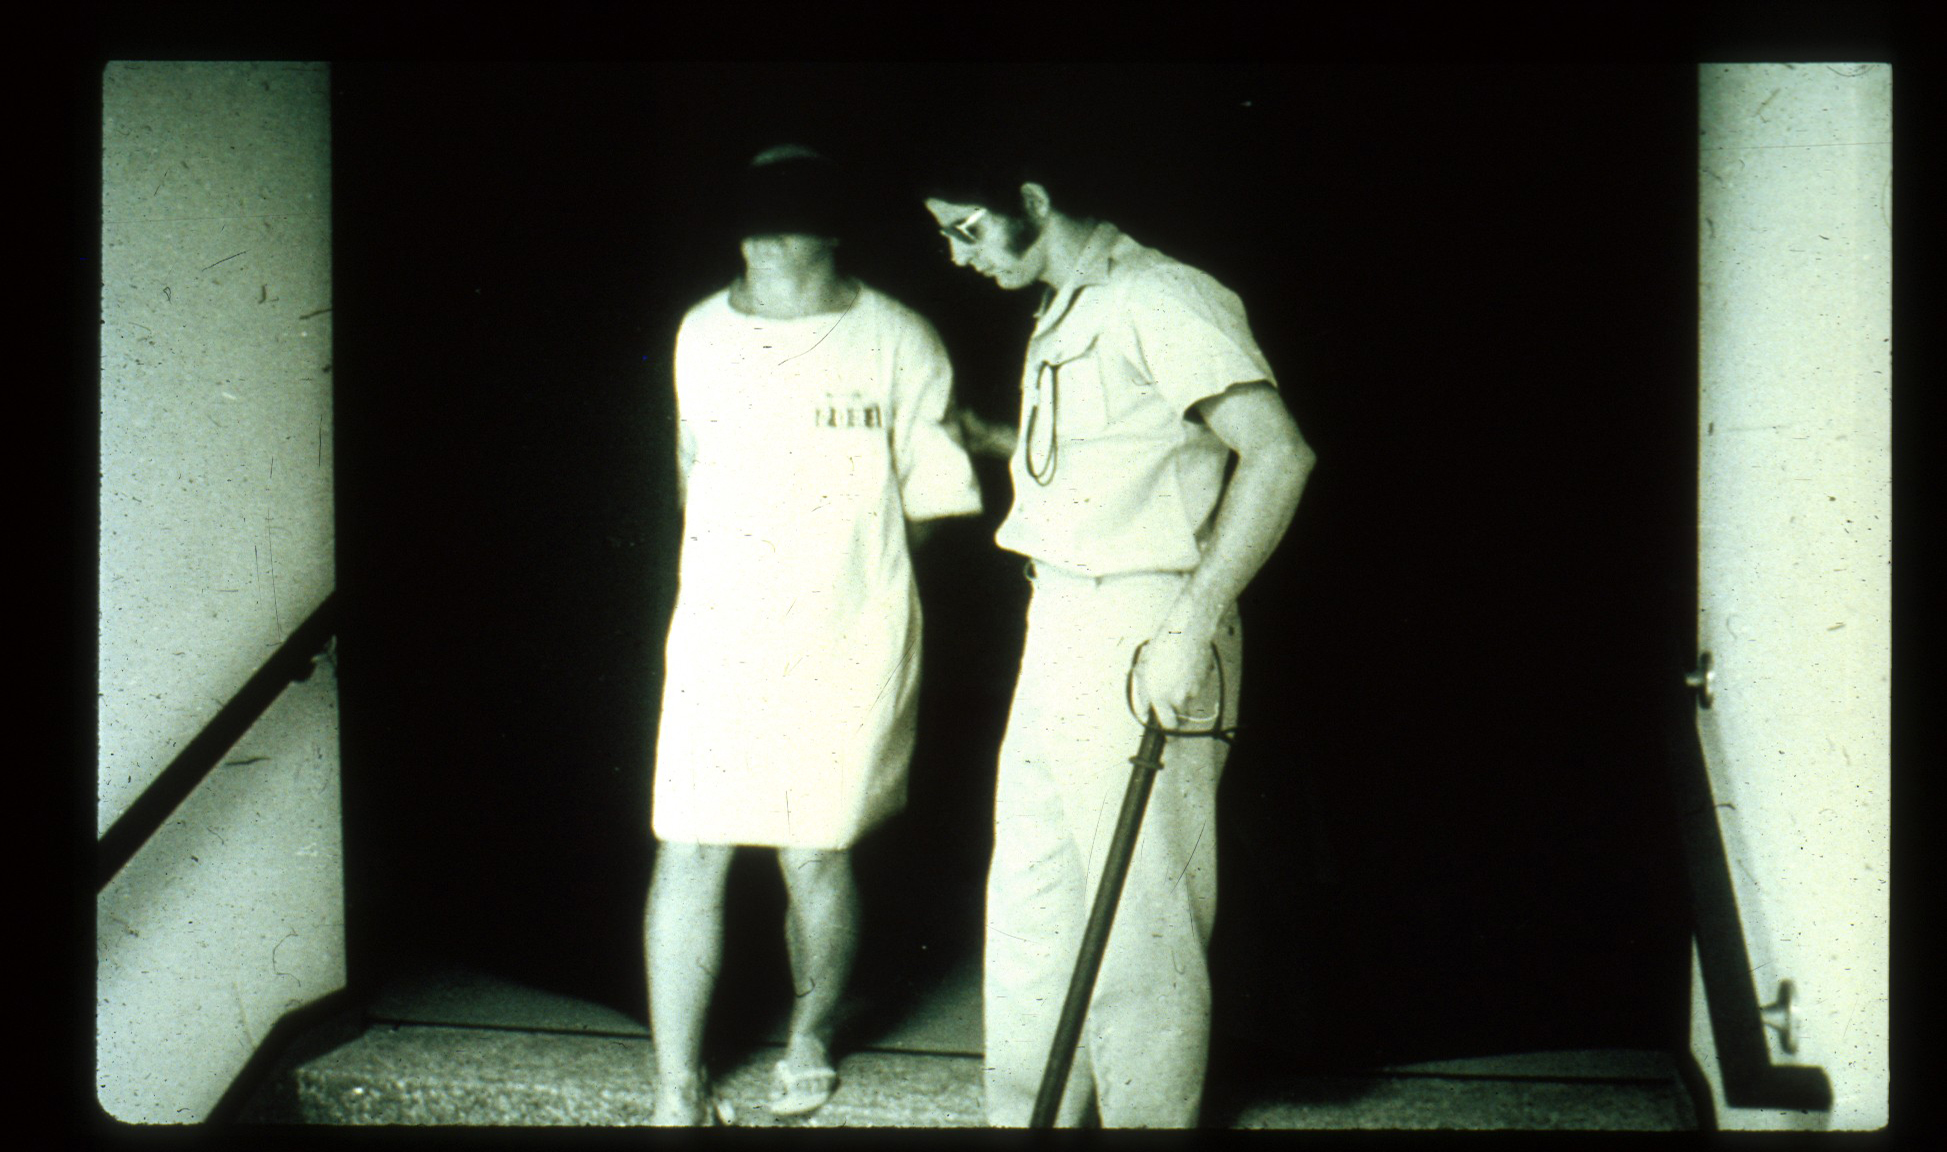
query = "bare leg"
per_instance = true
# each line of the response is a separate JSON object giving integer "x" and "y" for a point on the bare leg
{"x": 821, "y": 934}
{"x": 683, "y": 938}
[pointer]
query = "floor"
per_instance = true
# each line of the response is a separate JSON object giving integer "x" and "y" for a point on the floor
{"x": 457, "y": 1047}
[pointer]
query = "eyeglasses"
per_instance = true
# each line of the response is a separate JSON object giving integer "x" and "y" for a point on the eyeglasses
{"x": 962, "y": 230}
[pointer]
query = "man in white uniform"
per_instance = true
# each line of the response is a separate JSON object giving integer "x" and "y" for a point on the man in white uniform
{"x": 1142, "y": 383}
{"x": 811, "y": 442}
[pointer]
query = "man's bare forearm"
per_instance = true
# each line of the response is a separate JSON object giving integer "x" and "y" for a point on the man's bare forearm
{"x": 983, "y": 437}
{"x": 1273, "y": 464}
{"x": 1258, "y": 506}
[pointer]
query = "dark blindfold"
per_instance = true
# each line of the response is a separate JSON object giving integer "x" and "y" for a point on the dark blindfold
{"x": 792, "y": 196}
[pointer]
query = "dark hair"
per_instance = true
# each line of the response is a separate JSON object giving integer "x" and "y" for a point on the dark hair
{"x": 991, "y": 177}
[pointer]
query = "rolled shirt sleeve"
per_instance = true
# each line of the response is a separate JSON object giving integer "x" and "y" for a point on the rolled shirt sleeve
{"x": 1191, "y": 335}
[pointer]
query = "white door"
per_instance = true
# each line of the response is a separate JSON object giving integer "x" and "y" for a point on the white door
{"x": 1794, "y": 229}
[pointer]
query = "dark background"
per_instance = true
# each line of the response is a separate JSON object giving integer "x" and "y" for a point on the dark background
{"x": 1448, "y": 829}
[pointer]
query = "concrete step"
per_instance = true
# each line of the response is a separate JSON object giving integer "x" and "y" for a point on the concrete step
{"x": 1407, "y": 1101}
{"x": 464, "y": 1048}
{"x": 940, "y": 1015}
{"x": 421, "y": 1074}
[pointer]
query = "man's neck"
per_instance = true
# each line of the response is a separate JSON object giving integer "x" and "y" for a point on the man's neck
{"x": 786, "y": 291}
{"x": 1062, "y": 239}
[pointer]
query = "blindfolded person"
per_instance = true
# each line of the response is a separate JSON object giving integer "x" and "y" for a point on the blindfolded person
{"x": 811, "y": 447}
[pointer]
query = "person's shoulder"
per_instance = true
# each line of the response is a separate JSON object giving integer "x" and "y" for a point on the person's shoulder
{"x": 893, "y": 312}
{"x": 713, "y": 306}
{"x": 1131, "y": 257}
{"x": 1145, "y": 273}
{"x": 882, "y": 302}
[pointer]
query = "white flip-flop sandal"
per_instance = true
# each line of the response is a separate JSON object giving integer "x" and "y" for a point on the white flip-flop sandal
{"x": 801, "y": 1092}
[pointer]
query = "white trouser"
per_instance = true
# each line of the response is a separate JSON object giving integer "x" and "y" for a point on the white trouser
{"x": 1064, "y": 767}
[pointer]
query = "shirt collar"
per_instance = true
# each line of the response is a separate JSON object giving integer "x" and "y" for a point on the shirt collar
{"x": 1091, "y": 263}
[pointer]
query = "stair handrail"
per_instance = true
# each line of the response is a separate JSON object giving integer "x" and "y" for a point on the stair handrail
{"x": 293, "y": 661}
{"x": 1737, "y": 1019}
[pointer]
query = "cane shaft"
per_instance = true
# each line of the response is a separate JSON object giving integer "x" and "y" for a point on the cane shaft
{"x": 1144, "y": 765}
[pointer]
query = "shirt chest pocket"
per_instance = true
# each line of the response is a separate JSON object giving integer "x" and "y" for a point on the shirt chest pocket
{"x": 1071, "y": 394}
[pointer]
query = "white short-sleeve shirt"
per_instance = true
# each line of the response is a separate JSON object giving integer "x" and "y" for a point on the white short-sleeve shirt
{"x": 1111, "y": 472}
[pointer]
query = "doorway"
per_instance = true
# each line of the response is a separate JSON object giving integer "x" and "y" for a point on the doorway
{"x": 1448, "y": 824}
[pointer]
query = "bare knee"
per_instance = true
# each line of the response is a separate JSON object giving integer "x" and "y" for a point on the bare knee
{"x": 685, "y": 863}
{"x": 814, "y": 869}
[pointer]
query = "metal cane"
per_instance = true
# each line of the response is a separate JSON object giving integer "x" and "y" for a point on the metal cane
{"x": 1144, "y": 765}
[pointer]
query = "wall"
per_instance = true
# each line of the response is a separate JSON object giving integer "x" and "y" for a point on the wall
{"x": 216, "y": 542}
{"x": 1795, "y": 234}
